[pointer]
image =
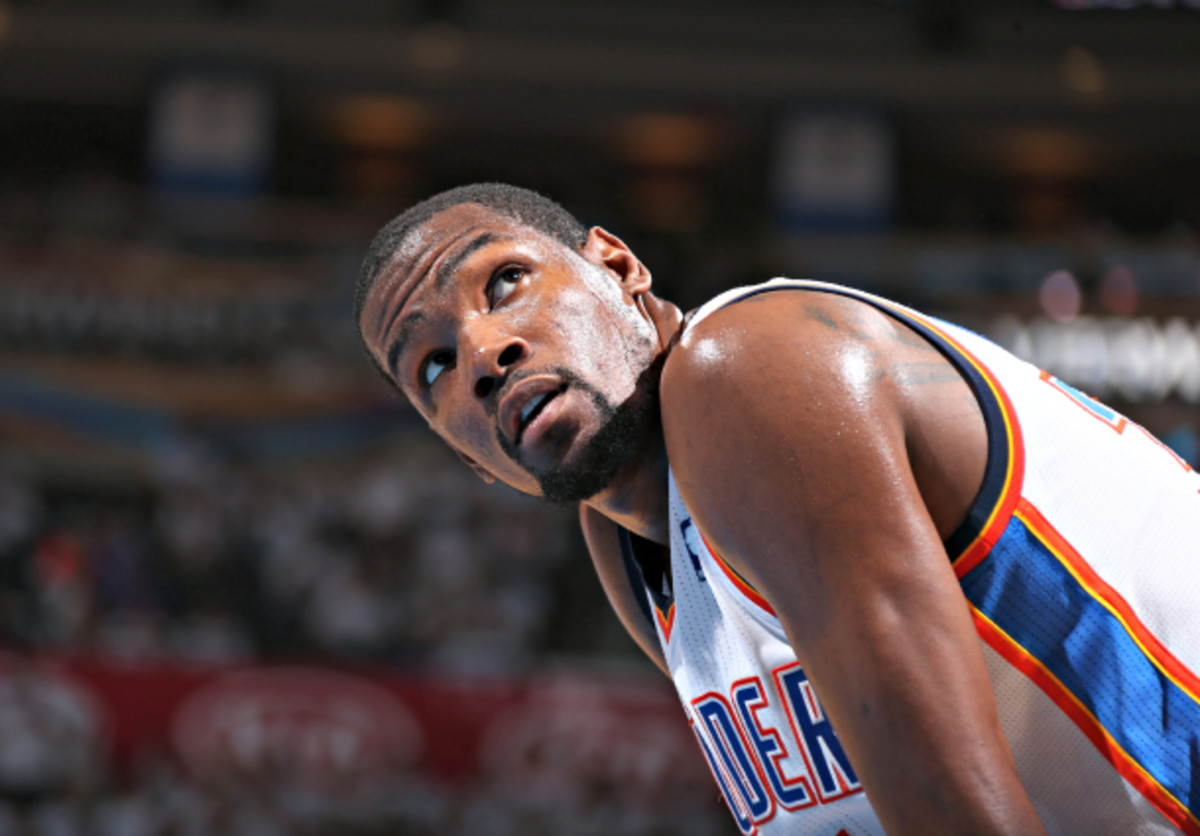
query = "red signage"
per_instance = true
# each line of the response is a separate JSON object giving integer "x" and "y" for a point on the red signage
{"x": 330, "y": 729}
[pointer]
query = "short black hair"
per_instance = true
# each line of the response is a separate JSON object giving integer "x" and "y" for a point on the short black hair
{"x": 522, "y": 205}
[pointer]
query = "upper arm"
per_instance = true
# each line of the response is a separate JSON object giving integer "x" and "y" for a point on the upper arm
{"x": 788, "y": 444}
{"x": 787, "y": 437}
{"x": 602, "y": 536}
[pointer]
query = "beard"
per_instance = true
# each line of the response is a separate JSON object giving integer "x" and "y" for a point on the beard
{"x": 602, "y": 457}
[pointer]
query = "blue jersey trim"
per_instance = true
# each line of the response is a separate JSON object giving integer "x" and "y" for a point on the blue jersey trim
{"x": 1028, "y": 593}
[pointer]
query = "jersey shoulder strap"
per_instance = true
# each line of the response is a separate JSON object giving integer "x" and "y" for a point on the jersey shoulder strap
{"x": 634, "y": 570}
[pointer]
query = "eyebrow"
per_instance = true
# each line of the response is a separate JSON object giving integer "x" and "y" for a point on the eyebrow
{"x": 441, "y": 278}
{"x": 408, "y": 327}
{"x": 449, "y": 267}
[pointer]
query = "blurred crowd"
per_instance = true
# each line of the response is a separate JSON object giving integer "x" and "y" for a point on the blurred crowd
{"x": 160, "y": 800}
{"x": 209, "y": 549}
{"x": 210, "y": 561}
{"x": 215, "y": 562}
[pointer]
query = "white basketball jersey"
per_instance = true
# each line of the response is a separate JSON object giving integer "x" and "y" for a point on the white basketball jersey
{"x": 1081, "y": 563}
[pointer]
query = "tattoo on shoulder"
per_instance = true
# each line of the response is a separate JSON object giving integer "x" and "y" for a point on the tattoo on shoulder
{"x": 846, "y": 321}
{"x": 815, "y": 313}
{"x": 907, "y": 337}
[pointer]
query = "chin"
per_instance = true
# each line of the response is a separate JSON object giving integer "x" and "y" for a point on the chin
{"x": 596, "y": 464}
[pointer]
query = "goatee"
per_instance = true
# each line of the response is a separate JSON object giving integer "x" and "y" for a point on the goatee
{"x": 603, "y": 456}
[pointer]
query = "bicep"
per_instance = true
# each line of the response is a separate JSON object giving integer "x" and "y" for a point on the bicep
{"x": 798, "y": 473}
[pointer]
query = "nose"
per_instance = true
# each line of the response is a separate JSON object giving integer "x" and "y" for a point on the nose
{"x": 492, "y": 357}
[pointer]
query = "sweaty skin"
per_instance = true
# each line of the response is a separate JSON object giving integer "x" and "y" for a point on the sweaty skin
{"x": 824, "y": 449}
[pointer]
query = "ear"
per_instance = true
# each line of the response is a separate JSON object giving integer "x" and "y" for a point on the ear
{"x": 480, "y": 471}
{"x": 609, "y": 251}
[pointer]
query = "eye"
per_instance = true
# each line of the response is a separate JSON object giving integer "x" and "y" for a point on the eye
{"x": 502, "y": 283}
{"x": 434, "y": 365}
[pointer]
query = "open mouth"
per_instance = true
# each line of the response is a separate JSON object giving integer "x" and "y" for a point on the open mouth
{"x": 533, "y": 408}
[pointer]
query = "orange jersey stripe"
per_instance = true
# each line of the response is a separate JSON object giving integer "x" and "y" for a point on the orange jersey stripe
{"x": 666, "y": 622}
{"x": 1171, "y": 807}
{"x": 741, "y": 583}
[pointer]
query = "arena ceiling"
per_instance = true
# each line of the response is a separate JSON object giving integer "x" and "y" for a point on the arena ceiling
{"x": 569, "y": 64}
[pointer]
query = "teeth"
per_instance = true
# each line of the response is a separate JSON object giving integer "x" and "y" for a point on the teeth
{"x": 533, "y": 404}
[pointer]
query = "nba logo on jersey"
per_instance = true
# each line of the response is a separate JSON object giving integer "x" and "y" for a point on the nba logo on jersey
{"x": 691, "y": 542}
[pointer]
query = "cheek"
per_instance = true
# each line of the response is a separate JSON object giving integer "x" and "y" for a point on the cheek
{"x": 463, "y": 434}
{"x": 475, "y": 436}
{"x": 594, "y": 339}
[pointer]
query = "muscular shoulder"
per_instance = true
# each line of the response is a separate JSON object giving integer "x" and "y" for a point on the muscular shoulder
{"x": 791, "y": 350}
{"x": 777, "y": 403}
{"x": 808, "y": 400}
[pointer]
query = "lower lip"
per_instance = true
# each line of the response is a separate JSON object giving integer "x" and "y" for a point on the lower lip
{"x": 534, "y": 429}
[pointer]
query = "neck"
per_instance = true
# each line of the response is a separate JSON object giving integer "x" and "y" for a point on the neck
{"x": 637, "y": 498}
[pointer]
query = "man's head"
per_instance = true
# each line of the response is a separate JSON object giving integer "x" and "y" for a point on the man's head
{"x": 517, "y": 334}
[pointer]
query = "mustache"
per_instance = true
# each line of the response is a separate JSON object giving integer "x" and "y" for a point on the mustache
{"x": 567, "y": 376}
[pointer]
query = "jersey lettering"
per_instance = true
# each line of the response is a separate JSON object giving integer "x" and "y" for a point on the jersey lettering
{"x": 719, "y": 726}
{"x": 733, "y": 800}
{"x": 823, "y": 751}
{"x": 757, "y": 770}
{"x": 792, "y": 793}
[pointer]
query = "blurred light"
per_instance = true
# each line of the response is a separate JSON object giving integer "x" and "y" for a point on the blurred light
{"x": 1119, "y": 291}
{"x": 1060, "y": 296}
{"x": 1043, "y": 206}
{"x": 381, "y": 175}
{"x": 668, "y": 203}
{"x": 1011, "y": 333}
{"x": 436, "y": 48}
{"x": 1082, "y": 354}
{"x": 382, "y": 122}
{"x": 1189, "y": 383}
{"x": 1047, "y": 153}
{"x": 1136, "y": 358}
{"x": 1138, "y": 353}
{"x": 211, "y": 129}
{"x": 668, "y": 140}
{"x": 833, "y": 168}
{"x": 1183, "y": 359}
{"x": 1083, "y": 74}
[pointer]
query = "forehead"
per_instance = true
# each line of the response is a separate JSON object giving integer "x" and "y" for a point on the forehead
{"x": 427, "y": 259}
{"x": 438, "y": 236}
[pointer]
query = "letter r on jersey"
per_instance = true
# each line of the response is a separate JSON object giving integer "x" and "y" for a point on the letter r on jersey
{"x": 826, "y": 759}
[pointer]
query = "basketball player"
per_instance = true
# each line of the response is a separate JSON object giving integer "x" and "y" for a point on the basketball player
{"x": 816, "y": 510}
